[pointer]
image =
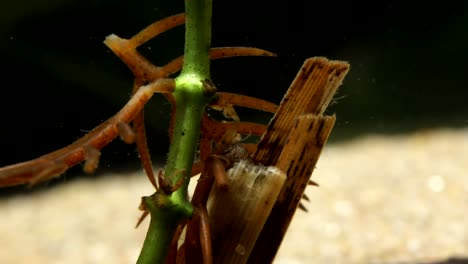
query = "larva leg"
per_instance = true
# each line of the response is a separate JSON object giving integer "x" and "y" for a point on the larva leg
{"x": 126, "y": 132}
{"x": 57, "y": 162}
{"x": 216, "y": 167}
{"x": 224, "y": 98}
{"x": 140, "y": 139}
{"x": 156, "y": 28}
{"x": 126, "y": 49}
{"x": 192, "y": 245}
{"x": 214, "y": 131}
{"x": 205, "y": 235}
{"x": 197, "y": 246}
{"x": 216, "y": 53}
{"x": 50, "y": 168}
{"x": 91, "y": 157}
{"x": 248, "y": 128}
{"x": 172, "y": 252}
{"x": 197, "y": 168}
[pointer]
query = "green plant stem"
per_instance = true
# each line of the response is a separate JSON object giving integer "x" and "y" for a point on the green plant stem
{"x": 161, "y": 228}
{"x": 197, "y": 38}
{"x": 168, "y": 210}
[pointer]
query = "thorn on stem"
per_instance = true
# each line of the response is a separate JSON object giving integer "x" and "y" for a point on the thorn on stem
{"x": 141, "y": 218}
{"x": 145, "y": 213}
{"x": 209, "y": 87}
{"x": 302, "y": 207}
{"x": 166, "y": 186}
{"x": 313, "y": 183}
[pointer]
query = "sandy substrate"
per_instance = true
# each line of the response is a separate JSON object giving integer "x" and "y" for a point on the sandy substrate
{"x": 398, "y": 199}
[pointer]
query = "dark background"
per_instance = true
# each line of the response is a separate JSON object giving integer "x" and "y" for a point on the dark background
{"x": 408, "y": 66}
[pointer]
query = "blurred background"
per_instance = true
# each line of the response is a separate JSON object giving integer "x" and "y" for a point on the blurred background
{"x": 59, "y": 80}
{"x": 407, "y": 82}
